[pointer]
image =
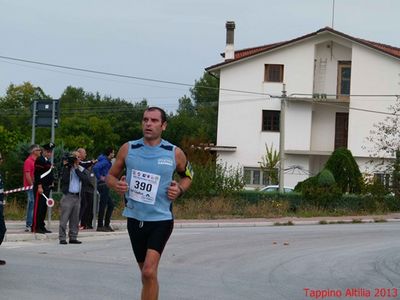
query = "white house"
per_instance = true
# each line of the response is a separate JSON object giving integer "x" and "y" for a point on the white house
{"x": 337, "y": 87}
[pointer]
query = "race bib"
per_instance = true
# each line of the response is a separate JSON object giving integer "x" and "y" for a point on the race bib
{"x": 144, "y": 186}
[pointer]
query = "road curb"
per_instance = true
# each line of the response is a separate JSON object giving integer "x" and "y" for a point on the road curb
{"x": 15, "y": 230}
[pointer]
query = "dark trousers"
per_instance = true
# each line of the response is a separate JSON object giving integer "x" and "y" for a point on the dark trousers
{"x": 86, "y": 212}
{"x": 106, "y": 206}
{"x": 39, "y": 209}
{"x": 3, "y": 228}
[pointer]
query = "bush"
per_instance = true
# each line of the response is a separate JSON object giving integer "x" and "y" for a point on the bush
{"x": 294, "y": 200}
{"x": 320, "y": 191}
{"x": 345, "y": 171}
{"x": 213, "y": 179}
{"x": 325, "y": 178}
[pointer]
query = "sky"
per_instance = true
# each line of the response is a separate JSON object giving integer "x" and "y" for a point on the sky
{"x": 161, "y": 40}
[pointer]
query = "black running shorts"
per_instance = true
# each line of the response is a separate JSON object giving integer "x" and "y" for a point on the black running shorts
{"x": 148, "y": 235}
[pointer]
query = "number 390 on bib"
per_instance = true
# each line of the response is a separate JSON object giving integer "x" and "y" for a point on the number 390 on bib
{"x": 144, "y": 186}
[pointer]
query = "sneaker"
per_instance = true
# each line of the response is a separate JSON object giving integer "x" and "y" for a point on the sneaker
{"x": 63, "y": 242}
{"x": 2, "y": 262}
{"x": 109, "y": 228}
{"x": 75, "y": 241}
{"x": 27, "y": 228}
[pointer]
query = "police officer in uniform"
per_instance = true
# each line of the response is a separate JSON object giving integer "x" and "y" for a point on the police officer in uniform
{"x": 44, "y": 181}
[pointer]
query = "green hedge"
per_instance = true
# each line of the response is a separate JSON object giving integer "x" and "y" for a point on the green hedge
{"x": 351, "y": 203}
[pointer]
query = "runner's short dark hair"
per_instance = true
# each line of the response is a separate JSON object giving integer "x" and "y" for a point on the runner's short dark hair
{"x": 162, "y": 112}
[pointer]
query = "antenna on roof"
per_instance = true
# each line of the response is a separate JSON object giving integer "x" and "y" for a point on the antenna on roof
{"x": 333, "y": 12}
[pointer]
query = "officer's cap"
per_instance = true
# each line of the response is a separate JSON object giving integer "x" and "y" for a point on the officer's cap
{"x": 49, "y": 146}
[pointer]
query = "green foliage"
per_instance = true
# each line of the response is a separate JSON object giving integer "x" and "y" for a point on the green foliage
{"x": 325, "y": 178}
{"x": 15, "y": 107}
{"x": 13, "y": 166}
{"x": 8, "y": 140}
{"x": 205, "y": 98}
{"x": 375, "y": 188}
{"x": 269, "y": 163}
{"x": 196, "y": 116}
{"x": 214, "y": 180}
{"x": 294, "y": 199}
{"x": 320, "y": 191}
{"x": 345, "y": 170}
{"x": 96, "y": 122}
{"x": 396, "y": 175}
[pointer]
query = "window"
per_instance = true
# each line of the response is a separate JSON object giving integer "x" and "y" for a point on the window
{"x": 254, "y": 176}
{"x": 270, "y": 120}
{"x": 344, "y": 76}
{"x": 273, "y": 73}
{"x": 383, "y": 178}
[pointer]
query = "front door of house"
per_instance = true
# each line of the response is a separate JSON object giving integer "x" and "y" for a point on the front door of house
{"x": 341, "y": 130}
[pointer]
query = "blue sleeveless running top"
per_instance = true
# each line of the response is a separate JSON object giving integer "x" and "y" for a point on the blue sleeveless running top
{"x": 149, "y": 172}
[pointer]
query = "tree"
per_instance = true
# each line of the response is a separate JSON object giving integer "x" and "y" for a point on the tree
{"x": 15, "y": 106}
{"x": 205, "y": 98}
{"x": 385, "y": 143}
{"x": 345, "y": 170}
{"x": 8, "y": 140}
{"x": 21, "y": 96}
{"x": 385, "y": 137}
{"x": 96, "y": 122}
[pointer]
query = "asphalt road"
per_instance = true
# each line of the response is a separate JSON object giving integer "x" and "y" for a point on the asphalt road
{"x": 345, "y": 261}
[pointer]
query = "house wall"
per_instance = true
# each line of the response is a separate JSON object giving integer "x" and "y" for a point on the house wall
{"x": 234, "y": 106}
{"x": 323, "y": 126}
{"x": 297, "y": 167}
{"x": 331, "y": 50}
{"x": 298, "y": 125}
{"x": 323, "y": 129}
{"x": 372, "y": 74}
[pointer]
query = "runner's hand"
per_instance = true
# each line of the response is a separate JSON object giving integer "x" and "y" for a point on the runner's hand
{"x": 173, "y": 190}
{"x": 121, "y": 186}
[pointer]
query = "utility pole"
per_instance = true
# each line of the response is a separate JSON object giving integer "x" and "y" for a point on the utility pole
{"x": 53, "y": 130}
{"x": 282, "y": 140}
{"x": 33, "y": 122}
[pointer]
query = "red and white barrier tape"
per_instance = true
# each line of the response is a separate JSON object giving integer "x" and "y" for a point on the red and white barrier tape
{"x": 26, "y": 188}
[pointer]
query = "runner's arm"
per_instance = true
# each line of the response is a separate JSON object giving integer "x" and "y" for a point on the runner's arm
{"x": 178, "y": 188}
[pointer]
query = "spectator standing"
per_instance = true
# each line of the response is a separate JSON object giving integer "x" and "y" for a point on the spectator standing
{"x": 106, "y": 205}
{"x": 3, "y": 228}
{"x": 149, "y": 188}
{"x": 29, "y": 173}
{"x": 72, "y": 177}
{"x": 43, "y": 183}
{"x": 87, "y": 191}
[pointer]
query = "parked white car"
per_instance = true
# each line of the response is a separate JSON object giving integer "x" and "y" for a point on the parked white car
{"x": 275, "y": 188}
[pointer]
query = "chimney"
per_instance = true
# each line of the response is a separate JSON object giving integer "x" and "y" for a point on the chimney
{"x": 229, "y": 49}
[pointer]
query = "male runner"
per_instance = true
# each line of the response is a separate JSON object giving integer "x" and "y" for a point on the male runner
{"x": 149, "y": 189}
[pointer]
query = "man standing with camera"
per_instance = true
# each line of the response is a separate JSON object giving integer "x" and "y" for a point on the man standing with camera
{"x": 71, "y": 180}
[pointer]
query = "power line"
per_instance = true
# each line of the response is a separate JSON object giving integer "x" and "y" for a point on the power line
{"x": 125, "y": 76}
